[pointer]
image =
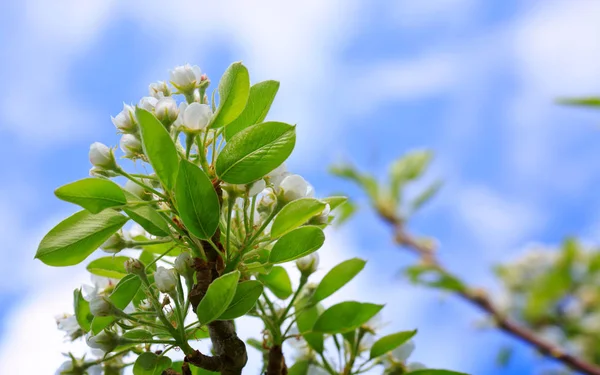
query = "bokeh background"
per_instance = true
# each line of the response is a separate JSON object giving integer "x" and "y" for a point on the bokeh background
{"x": 365, "y": 81}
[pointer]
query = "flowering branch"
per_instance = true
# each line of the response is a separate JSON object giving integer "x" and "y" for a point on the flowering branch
{"x": 478, "y": 298}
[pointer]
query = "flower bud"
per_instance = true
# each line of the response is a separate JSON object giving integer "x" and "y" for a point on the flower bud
{"x": 101, "y": 172}
{"x": 267, "y": 202}
{"x": 159, "y": 89}
{"x": 131, "y": 146}
{"x": 293, "y": 187}
{"x": 196, "y": 117}
{"x": 183, "y": 265}
{"x": 114, "y": 244}
{"x": 185, "y": 77}
{"x": 166, "y": 110}
{"x": 102, "y": 306}
{"x": 166, "y": 280}
{"x": 308, "y": 264}
{"x": 148, "y": 103}
{"x": 125, "y": 120}
{"x": 135, "y": 189}
{"x": 323, "y": 217}
{"x": 106, "y": 341}
{"x": 102, "y": 156}
{"x": 134, "y": 266}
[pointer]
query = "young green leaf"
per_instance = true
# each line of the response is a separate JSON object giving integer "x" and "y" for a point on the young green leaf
{"x": 245, "y": 298}
{"x": 219, "y": 295}
{"x": 335, "y": 201}
{"x": 161, "y": 248}
{"x": 234, "y": 88}
{"x": 278, "y": 282}
{"x": 294, "y": 214}
{"x": 305, "y": 320}
{"x": 112, "y": 267}
{"x": 197, "y": 201}
{"x": 296, "y": 244}
{"x": 345, "y": 317}
{"x": 339, "y": 276}
{"x": 408, "y": 168}
{"x": 592, "y": 101}
{"x": 299, "y": 368}
{"x": 147, "y": 217}
{"x": 425, "y": 195}
{"x": 158, "y": 147}
{"x": 390, "y": 342}
{"x": 366, "y": 182}
{"x": 76, "y": 237}
{"x": 121, "y": 296}
{"x": 255, "y": 151}
{"x": 93, "y": 194}
{"x": 260, "y": 99}
{"x": 82, "y": 311}
{"x": 149, "y": 363}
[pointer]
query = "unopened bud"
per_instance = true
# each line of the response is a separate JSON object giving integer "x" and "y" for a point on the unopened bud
{"x": 131, "y": 146}
{"x": 134, "y": 266}
{"x": 185, "y": 77}
{"x": 159, "y": 89}
{"x": 196, "y": 117}
{"x": 183, "y": 265}
{"x": 308, "y": 264}
{"x": 102, "y": 156}
{"x": 106, "y": 341}
{"x": 148, "y": 103}
{"x": 267, "y": 202}
{"x": 102, "y": 306}
{"x": 114, "y": 244}
{"x": 293, "y": 187}
{"x": 166, "y": 110}
{"x": 101, "y": 172}
{"x": 323, "y": 217}
{"x": 125, "y": 120}
{"x": 166, "y": 280}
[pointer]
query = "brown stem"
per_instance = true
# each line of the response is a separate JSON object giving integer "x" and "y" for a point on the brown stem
{"x": 480, "y": 299}
{"x": 276, "y": 364}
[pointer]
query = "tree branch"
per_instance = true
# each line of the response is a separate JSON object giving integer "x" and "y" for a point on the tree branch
{"x": 481, "y": 300}
{"x": 276, "y": 364}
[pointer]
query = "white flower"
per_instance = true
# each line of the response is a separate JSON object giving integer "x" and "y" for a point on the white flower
{"x": 131, "y": 146}
{"x": 102, "y": 156}
{"x": 186, "y": 77}
{"x": 294, "y": 187}
{"x": 308, "y": 264}
{"x": 183, "y": 264}
{"x": 105, "y": 341}
{"x": 166, "y": 280}
{"x": 148, "y": 103}
{"x": 196, "y": 117}
{"x": 277, "y": 175}
{"x": 125, "y": 120}
{"x": 256, "y": 187}
{"x": 101, "y": 284}
{"x": 159, "y": 89}
{"x": 166, "y": 109}
{"x": 404, "y": 351}
{"x": 101, "y": 306}
{"x": 323, "y": 217}
{"x": 67, "y": 323}
{"x": 267, "y": 202}
{"x": 134, "y": 188}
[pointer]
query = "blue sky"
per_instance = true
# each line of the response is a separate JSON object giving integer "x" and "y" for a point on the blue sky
{"x": 365, "y": 81}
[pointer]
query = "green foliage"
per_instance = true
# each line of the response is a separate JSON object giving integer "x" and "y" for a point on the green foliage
{"x": 345, "y": 316}
{"x": 390, "y": 342}
{"x": 93, "y": 194}
{"x": 255, "y": 151}
{"x": 278, "y": 282}
{"x": 294, "y": 214}
{"x": 246, "y": 295}
{"x": 82, "y": 311}
{"x": 151, "y": 364}
{"x": 76, "y": 237}
{"x": 260, "y": 99}
{"x": 339, "y": 276}
{"x": 219, "y": 295}
{"x": 112, "y": 267}
{"x": 592, "y": 101}
{"x": 297, "y": 244}
{"x": 234, "y": 89}
{"x": 121, "y": 296}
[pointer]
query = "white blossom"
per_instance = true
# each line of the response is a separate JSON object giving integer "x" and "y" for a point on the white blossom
{"x": 404, "y": 351}
{"x": 166, "y": 109}
{"x": 185, "y": 77}
{"x": 308, "y": 264}
{"x": 100, "y": 286}
{"x": 196, "y": 117}
{"x": 256, "y": 187}
{"x": 125, "y": 120}
{"x": 67, "y": 323}
{"x": 101, "y": 306}
{"x": 183, "y": 264}
{"x": 148, "y": 103}
{"x": 294, "y": 187}
{"x": 166, "y": 280}
{"x": 159, "y": 89}
{"x": 105, "y": 341}
{"x": 134, "y": 188}
{"x": 102, "y": 156}
{"x": 131, "y": 146}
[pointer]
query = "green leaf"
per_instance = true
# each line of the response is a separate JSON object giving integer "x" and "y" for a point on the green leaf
{"x": 82, "y": 311}
{"x": 435, "y": 372}
{"x": 390, "y": 342}
{"x": 161, "y": 248}
{"x": 147, "y": 217}
{"x": 138, "y": 334}
{"x": 339, "y": 276}
{"x": 299, "y": 368}
{"x": 158, "y": 147}
{"x": 583, "y": 102}
{"x": 366, "y": 182}
{"x": 345, "y": 317}
{"x": 255, "y": 151}
{"x": 434, "y": 277}
{"x": 234, "y": 89}
{"x": 149, "y": 363}
{"x": 76, "y": 237}
{"x": 305, "y": 321}
{"x": 121, "y": 296}
{"x": 260, "y": 99}
{"x": 294, "y": 214}
{"x": 219, "y": 295}
{"x": 197, "y": 201}
{"x": 112, "y": 267}
{"x": 245, "y": 298}
{"x": 345, "y": 212}
{"x": 278, "y": 282}
{"x": 408, "y": 168}
{"x": 335, "y": 201}
{"x": 146, "y": 258}
{"x": 296, "y": 244}
{"x": 425, "y": 195}
{"x": 93, "y": 194}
